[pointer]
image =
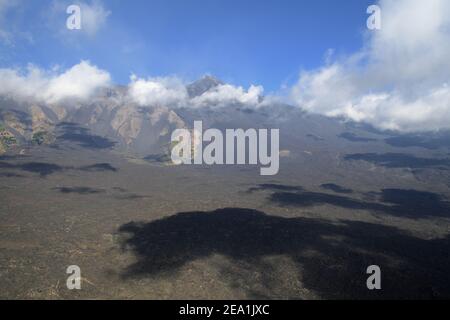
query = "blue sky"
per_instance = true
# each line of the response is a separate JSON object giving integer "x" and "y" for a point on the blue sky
{"x": 243, "y": 42}
{"x": 395, "y": 77}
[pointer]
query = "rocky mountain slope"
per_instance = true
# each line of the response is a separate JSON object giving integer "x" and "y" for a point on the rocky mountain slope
{"x": 129, "y": 126}
{"x": 111, "y": 120}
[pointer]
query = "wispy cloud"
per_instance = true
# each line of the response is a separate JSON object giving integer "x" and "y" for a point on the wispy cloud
{"x": 94, "y": 16}
{"x": 6, "y": 35}
{"x": 5, "y": 5}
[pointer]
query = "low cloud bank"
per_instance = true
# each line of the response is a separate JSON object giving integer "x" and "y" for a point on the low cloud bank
{"x": 226, "y": 94}
{"x": 36, "y": 85}
{"x": 172, "y": 92}
{"x": 82, "y": 81}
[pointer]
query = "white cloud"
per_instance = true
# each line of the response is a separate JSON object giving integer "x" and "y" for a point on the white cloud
{"x": 399, "y": 80}
{"x": 226, "y": 94}
{"x": 78, "y": 83}
{"x": 172, "y": 92}
{"x": 167, "y": 91}
{"x": 93, "y": 16}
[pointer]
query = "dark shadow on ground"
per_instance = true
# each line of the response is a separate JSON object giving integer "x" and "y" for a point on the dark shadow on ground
{"x": 124, "y": 194}
{"x": 332, "y": 258}
{"x": 336, "y": 188}
{"x": 429, "y": 141}
{"x": 99, "y": 167}
{"x": 46, "y": 169}
{"x": 159, "y": 158}
{"x": 311, "y": 199}
{"x": 12, "y": 157}
{"x": 82, "y": 136}
{"x": 399, "y": 160}
{"x": 10, "y": 175}
{"x": 274, "y": 187}
{"x": 397, "y": 202}
{"x": 131, "y": 196}
{"x": 43, "y": 169}
{"x": 117, "y": 193}
{"x": 79, "y": 190}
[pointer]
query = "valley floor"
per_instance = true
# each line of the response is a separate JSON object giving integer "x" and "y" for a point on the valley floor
{"x": 142, "y": 230}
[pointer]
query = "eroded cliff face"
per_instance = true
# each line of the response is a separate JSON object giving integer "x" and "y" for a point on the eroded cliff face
{"x": 133, "y": 128}
{"x": 110, "y": 113}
